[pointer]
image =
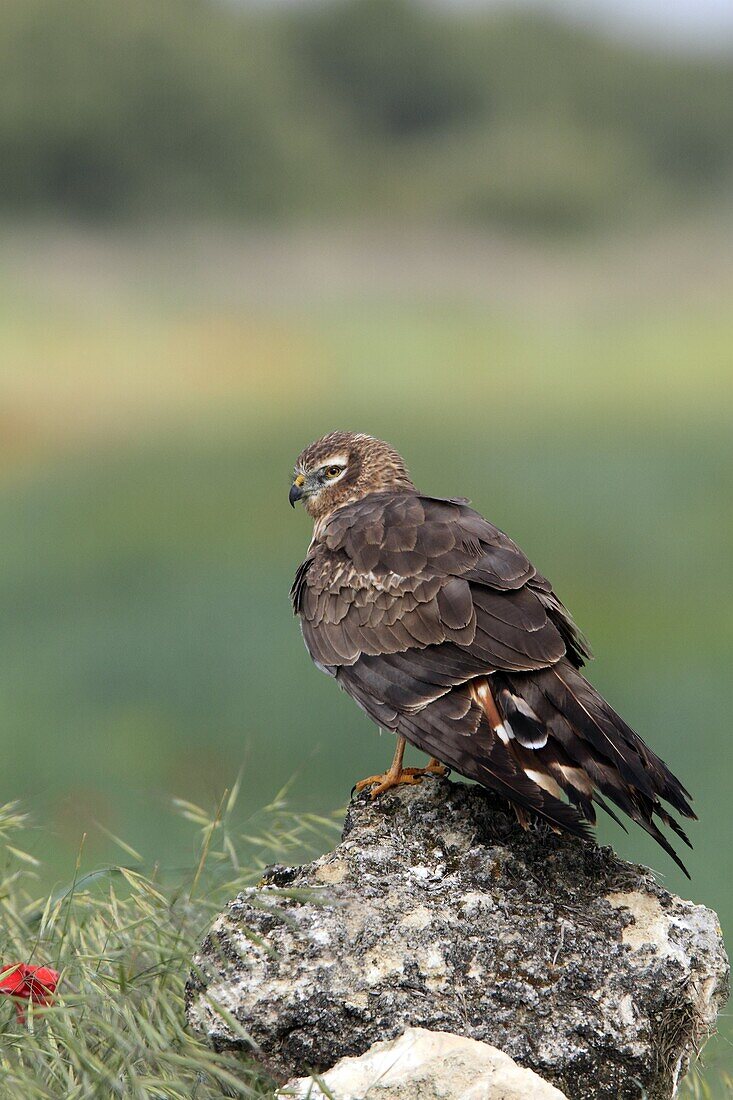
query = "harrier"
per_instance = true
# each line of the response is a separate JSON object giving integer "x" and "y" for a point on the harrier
{"x": 440, "y": 628}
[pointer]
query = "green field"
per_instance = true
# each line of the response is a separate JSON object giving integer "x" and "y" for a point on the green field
{"x": 153, "y": 397}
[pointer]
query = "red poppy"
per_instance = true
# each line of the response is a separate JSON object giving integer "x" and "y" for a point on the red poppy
{"x": 34, "y": 983}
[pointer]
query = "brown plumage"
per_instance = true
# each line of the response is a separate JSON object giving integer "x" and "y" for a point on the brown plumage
{"x": 439, "y": 627}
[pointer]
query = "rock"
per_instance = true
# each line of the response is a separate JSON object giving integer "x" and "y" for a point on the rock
{"x": 438, "y": 911}
{"x": 426, "y": 1065}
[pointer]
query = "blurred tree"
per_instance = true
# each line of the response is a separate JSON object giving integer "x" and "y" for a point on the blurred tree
{"x": 348, "y": 106}
{"x": 110, "y": 108}
{"x": 395, "y": 64}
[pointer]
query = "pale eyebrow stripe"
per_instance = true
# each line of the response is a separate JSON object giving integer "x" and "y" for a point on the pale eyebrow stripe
{"x": 334, "y": 460}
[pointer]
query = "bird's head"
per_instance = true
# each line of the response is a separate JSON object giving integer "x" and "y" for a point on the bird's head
{"x": 343, "y": 467}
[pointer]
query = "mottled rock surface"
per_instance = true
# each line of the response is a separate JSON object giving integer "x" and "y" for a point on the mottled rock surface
{"x": 425, "y": 1065}
{"x": 438, "y": 911}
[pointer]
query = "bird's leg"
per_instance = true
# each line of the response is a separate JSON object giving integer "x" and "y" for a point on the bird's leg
{"x": 397, "y": 775}
{"x": 392, "y": 778}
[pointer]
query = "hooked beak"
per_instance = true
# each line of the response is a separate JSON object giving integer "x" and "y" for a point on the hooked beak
{"x": 296, "y": 490}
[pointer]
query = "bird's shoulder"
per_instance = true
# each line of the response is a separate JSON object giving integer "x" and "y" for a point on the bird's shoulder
{"x": 394, "y": 571}
{"x": 385, "y": 538}
{"x": 407, "y": 534}
{"x": 389, "y": 547}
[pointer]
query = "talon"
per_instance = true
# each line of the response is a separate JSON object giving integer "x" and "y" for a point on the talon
{"x": 368, "y": 782}
{"x": 435, "y": 767}
{"x": 405, "y": 777}
{"x": 397, "y": 776}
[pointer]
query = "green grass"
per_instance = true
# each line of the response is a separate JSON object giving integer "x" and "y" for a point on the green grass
{"x": 122, "y": 940}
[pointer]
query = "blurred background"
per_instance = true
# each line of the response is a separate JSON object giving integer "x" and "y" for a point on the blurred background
{"x": 498, "y": 235}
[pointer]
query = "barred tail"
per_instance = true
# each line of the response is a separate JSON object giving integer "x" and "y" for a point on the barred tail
{"x": 568, "y": 739}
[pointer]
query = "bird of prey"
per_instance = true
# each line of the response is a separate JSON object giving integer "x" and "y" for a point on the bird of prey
{"x": 440, "y": 628}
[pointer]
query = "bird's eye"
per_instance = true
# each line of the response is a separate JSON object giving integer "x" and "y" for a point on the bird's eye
{"x": 332, "y": 471}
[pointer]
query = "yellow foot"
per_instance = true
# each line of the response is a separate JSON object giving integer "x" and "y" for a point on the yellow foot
{"x": 436, "y": 768}
{"x": 399, "y": 777}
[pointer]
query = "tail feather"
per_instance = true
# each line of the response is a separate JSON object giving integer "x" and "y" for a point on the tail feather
{"x": 674, "y": 825}
{"x": 607, "y": 809}
{"x": 550, "y": 744}
{"x": 587, "y": 733}
{"x": 482, "y": 755}
{"x": 527, "y": 726}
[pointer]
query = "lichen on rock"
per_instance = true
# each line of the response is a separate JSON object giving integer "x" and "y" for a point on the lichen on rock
{"x": 437, "y": 911}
